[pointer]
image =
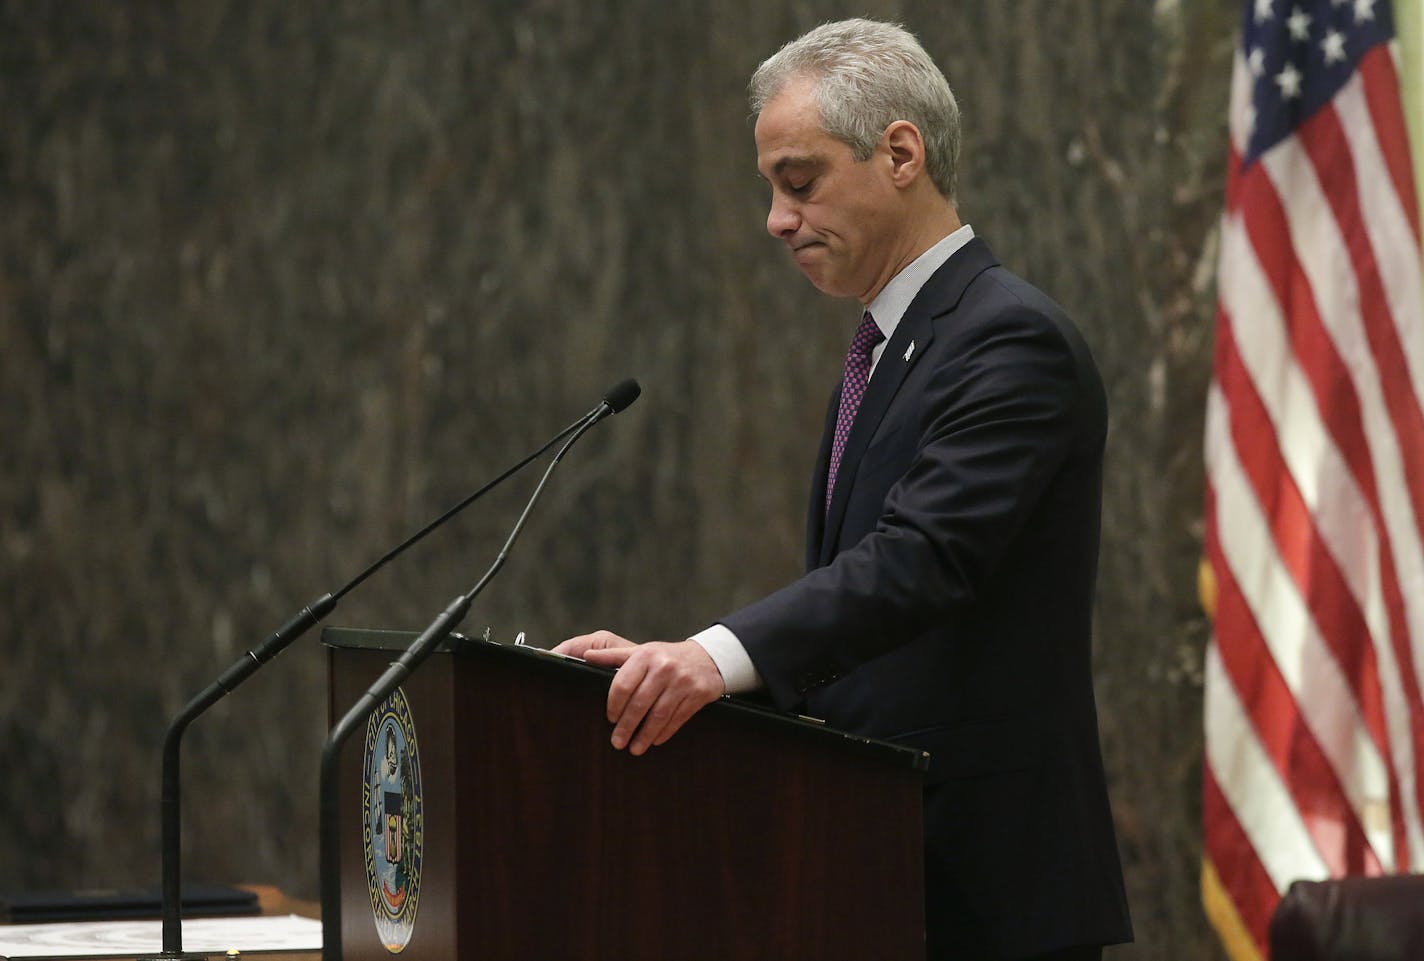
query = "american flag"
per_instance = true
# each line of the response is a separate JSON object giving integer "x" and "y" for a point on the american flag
{"x": 1315, "y": 472}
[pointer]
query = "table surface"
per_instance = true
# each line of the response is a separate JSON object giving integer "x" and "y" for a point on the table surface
{"x": 273, "y": 902}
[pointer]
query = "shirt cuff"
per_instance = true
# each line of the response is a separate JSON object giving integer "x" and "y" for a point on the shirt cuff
{"x": 739, "y": 674}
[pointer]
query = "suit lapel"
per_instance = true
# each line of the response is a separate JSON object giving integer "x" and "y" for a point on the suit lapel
{"x": 816, "y": 509}
{"x": 884, "y": 383}
{"x": 911, "y": 341}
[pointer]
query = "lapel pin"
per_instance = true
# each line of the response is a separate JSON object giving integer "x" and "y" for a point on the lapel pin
{"x": 909, "y": 350}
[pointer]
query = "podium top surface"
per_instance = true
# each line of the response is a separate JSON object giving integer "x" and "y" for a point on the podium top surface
{"x": 459, "y": 645}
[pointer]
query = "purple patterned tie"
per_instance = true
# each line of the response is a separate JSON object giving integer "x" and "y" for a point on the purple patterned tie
{"x": 857, "y": 374}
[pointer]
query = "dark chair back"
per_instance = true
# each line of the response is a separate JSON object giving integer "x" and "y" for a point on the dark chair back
{"x": 1351, "y": 919}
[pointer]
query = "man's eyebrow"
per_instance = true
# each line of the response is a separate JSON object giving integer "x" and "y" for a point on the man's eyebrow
{"x": 780, "y": 167}
{"x": 786, "y": 162}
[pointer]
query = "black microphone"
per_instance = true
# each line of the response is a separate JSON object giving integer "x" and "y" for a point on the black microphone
{"x": 621, "y": 395}
{"x": 615, "y": 399}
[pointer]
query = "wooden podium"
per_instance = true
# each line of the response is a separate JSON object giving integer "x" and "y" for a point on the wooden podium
{"x": 749, "y": 835}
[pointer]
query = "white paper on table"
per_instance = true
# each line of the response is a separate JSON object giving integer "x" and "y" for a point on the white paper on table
{"x": 118, "y": 939}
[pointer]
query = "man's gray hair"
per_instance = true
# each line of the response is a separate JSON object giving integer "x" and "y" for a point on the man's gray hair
{"x": 868, "y": 75}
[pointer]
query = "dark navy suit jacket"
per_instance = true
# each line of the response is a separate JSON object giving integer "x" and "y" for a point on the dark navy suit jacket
{"x": 948, "y": 606}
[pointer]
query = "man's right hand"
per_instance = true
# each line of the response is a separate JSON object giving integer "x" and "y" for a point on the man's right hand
{"x": 655, "y": 689}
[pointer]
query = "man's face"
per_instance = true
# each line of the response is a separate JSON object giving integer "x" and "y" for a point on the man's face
{"x": 837, "y": 215}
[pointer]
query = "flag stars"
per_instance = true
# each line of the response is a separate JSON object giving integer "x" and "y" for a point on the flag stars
{"x": 1293, "y": 56}
{"x": 1256, "y": 61}
{"x": 1333, "y": 46}
{"x": 1289, "y": 80}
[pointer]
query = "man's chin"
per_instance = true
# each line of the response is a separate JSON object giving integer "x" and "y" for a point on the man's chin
{"x": 814, "y": 272}
{"x": 825, "y": 283}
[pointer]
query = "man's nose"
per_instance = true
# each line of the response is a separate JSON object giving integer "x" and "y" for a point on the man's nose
{"x": 782, "y": 220}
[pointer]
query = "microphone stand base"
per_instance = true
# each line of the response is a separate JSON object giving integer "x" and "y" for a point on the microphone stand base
{"x": 175, "y": 956}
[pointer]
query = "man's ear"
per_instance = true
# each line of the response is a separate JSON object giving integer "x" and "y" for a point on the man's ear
{"x": 902, "y": 141}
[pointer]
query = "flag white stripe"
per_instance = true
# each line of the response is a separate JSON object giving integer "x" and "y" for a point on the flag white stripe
{"x": 1239, "y": 109}
{"x": 1322, "y": 694}
{"x": 1326, "y": 485}
{"x": 1341, "y": 513}
{"x": 1326, "y": 263}
{"x": 1249, "y": 782}
{"x": 1395, "y": 251}
{"x": 1394, "y": 247}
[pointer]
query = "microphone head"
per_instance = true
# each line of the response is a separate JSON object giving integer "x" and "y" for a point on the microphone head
{"x": 621, "y": 394}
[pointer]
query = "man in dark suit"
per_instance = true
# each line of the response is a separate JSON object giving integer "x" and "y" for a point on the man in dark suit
{"x": 953, "y": 525}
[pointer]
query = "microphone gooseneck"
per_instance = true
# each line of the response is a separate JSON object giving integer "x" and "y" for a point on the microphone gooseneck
{"x": 615, "y": 399}
{"x": 421, "y": 648}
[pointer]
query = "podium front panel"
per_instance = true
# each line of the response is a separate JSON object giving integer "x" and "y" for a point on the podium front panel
{"x": 747, "y": 835}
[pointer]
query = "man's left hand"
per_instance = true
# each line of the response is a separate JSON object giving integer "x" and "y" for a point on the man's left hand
{"x": 657, "y": 688}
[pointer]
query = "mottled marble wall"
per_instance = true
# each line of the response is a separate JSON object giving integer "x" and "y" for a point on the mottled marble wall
{"x": 279, "y": 281}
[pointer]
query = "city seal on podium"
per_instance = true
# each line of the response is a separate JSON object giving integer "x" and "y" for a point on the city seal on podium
{"x": 395, "y": 821}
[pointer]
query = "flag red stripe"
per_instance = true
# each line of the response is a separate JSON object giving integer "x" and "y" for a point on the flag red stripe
{"x": 1266, "y": 698}
{"x": 1235, "y": 178}
{"x": 1324, "y": 142}
{"x": 1381, "y": 82}
{"x": 1338, "y": 403}
{"x": 1339, "y": 407}
{"x": 1241, "y": 872}
{"x": 1313, "y": 568}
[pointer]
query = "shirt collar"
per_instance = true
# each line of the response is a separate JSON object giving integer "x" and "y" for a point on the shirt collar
{"x": 890, "y": 304}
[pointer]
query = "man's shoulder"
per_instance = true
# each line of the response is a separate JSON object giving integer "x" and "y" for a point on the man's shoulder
{"x": 974, "y": 274}
{"x": 996, "y": 297}
{"x": 1002, "y": 318}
